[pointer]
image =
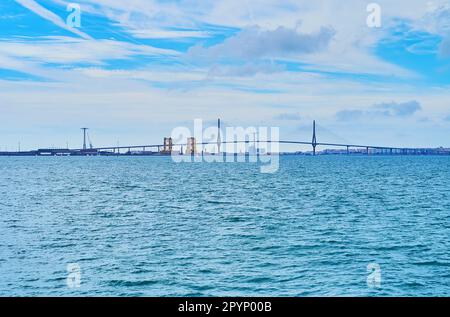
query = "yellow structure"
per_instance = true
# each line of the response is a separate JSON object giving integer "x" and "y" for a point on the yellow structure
{"x": 168, "y": 145}
{"x": 191, "y": 146}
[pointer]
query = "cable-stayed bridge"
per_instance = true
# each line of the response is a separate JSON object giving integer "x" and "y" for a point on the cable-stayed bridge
{"x": 193, "y": 147}
{"x": 166, "y": 147}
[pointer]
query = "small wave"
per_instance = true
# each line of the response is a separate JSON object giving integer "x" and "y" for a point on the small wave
{"x": 432, "y": 263}
{"x": 127, "y": 283}
{"x": 218, "y": 202}
{"x": 236, "y": 219}
{"x": 257, "y": 280}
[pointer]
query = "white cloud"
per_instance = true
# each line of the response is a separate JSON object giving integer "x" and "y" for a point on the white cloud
{"x": 437, "y": 21}
{"x": 253, "y": 43}
{"x": 384, "y": 109}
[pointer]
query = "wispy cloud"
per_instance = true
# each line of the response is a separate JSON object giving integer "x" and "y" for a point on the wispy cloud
{"x": 387, "y": 109}
{"x": 350, "y": 115}
{"x": 248, "y": 69}
{"x": 167, "y": 34}
{"x": 394, "y": 109}
{"x": 288, "y": 117}
{"x": 71, "y": 50}
{"x": 34, "y": 57}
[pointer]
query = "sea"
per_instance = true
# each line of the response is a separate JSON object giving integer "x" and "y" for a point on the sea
{"x": 149, "y": 226}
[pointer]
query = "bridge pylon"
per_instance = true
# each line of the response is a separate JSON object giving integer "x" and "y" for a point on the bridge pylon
{"x": 314, "y": 138}
{"x": 219, "y": 141}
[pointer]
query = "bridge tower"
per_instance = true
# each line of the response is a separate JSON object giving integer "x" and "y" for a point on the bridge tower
{"x": 219, "y": 141}
{"x": 314, "y": 138}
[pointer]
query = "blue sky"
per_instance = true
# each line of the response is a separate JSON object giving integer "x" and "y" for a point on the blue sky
{"x": 136, "y": 69}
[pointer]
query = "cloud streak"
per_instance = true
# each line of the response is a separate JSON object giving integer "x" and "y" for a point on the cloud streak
{"x": 288, "y": 117}
{"x": 389, "y": 109}
{"x": 246, "y": 70}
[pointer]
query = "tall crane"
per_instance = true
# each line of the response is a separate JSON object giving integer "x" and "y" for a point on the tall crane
{"x": 84, "y": 137}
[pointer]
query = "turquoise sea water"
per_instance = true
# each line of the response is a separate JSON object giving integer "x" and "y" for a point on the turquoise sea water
{"x": 147, "y": 226}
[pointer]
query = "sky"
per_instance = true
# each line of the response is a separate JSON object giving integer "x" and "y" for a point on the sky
{"x": 134, "y": 70}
